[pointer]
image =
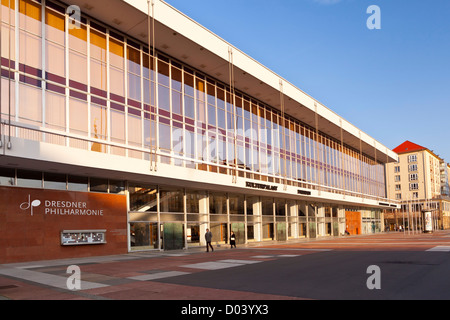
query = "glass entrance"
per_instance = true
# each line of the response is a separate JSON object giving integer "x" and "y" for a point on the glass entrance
{"x": 143, "y": 236}
{"x": 173, "y": 236}
{"x": 281, "y": 231}
{"x": 312, "y": 228}
{"x": 239, "y": 231}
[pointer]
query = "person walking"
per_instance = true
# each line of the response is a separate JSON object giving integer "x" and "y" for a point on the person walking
{"x": 208, "y": 238}
{"x": 232, "y": 240}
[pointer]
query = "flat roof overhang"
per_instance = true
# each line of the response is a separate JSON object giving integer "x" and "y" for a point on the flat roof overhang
{"x": 189, "y": 42}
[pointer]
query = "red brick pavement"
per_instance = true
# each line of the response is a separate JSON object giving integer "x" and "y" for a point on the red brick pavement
{"x": 115, "y": 272}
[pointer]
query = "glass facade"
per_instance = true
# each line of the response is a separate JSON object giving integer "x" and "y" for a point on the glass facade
{"x": 162, "y": 217}
{"x": 92, "y": 88}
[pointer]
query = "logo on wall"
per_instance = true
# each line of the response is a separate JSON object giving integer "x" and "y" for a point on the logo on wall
{"x": 61, "y": 207}
{"x": 29, "y": 205}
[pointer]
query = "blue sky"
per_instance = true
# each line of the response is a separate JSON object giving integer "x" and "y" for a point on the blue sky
{"x": 392, "y": 83}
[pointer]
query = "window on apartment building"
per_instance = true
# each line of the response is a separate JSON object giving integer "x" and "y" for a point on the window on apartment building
{"x": 413, "y": 186}
{"x": 415, "y": 195}
{"x": 412, "y": 167}
{"x": 412, "y": 158}
{"x": 396, "y": 169}
{"x": 413, "y": 177}
{"x": 397, "y": 178}
{"x": 398, "y": 187}
{"x": 398, "y": 196}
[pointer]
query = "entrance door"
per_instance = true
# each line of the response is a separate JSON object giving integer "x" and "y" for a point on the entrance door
{"x": 281, "y": 231}
{"x": 353, "y": 222}
{"x": 173, "y": 236}
{"x": 239, "y": 231}
{"x": 312, "y": 228}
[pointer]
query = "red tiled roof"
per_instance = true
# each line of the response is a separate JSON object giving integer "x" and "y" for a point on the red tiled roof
{"x": 408, "y": 146}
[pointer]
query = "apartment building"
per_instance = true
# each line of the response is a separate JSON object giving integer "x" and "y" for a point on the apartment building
{"x": 419, "y": 180}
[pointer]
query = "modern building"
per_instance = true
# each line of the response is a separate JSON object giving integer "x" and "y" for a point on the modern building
{"x": 419, "y": 180}
{"x": 126, "y": 125}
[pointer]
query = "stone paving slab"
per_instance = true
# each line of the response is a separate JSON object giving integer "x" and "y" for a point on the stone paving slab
{"x": 134, "y": 275}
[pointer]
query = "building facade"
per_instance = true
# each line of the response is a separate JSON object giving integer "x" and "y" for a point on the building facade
{"x": 419, "y": 180}
{"x": 134, "y": 104}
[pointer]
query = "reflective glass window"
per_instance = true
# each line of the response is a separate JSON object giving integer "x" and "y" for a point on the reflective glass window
{"x": 7, "y": 177}
{"x": 76, "y": 183}
{"x": 98, "y": 185}
{"x": 217, "y": 203}
{"x": 55, "y": 181}
{"x": 143, "y": 198}
{"x": 31, "y": 179}
{"x": 171, "y": 200}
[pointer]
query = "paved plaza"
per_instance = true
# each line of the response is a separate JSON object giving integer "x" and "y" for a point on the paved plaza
{"x": 412, "y": 266}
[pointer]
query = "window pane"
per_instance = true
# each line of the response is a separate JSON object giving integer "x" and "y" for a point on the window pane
{"x": 98, "y": 122}
{"x": 117, "y": 187}
{"x": 30, "y": 49}
{"x": 78, "y": 115}
{"x": 117, "y": 126}
{"x": 189, "y": 108}
{"x": 134, "y": 130}
{"x": 98, "y": 45}
{"x": 32, "y": 179}
{"x": 55, "y": 111}
{"x": 176, "y": 79}
{"x": 177, "y": 102}
{"x": 171, "y": 200}
{"x": 78, "y": 39}
{"x": 188, "y": 84}
{"x": 194, "y": 201}
{"x": 143, "y": 198}
{"x": 30, "y": 104}
{"x": 217, "y": 203}
{"x": 99, "y": 185}
{"x": 163, "y": 73}
{"x": 30, "y": 16}
{"x": 149, "y": 92}
{"x": 77, "y": 183}
{"x": 55, "y": 181}
{"x": 54, "y": 26}
{"x": 147, "y": 62}
{"x": 236, "y": 204}
{"x": 116, "y": 53}
{"x": 55, "y": 58}
{"x": 134, "y": 86}
{"x": 7, "y": 177}
{"x": 149, "y": 133}
{"x": 98, "y": 74}
{"x": 117, "y": 81}
{"x": 211, "y": 115}
{"x": 164, "y": 136}
{"x": 163, "y": 98}
{"x": 134, "y": 60}
{"x": 78, "y": 67}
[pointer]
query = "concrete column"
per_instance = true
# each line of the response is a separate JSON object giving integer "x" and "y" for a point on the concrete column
{"x": 204, "y": 218}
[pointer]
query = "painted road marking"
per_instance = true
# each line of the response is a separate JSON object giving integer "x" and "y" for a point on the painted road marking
{"x": 239, "y": 261}
{"x": 160, "y": 275}
{"x": 46, "y": 279}
{"x": 440, "y": 249}
{"x": 212, "y": 265}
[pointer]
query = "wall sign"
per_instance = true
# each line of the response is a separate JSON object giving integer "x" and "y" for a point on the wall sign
{"x": 82, "y": 237}
{"x": 261, "y": 186}
{"x": 31, "y": 221}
